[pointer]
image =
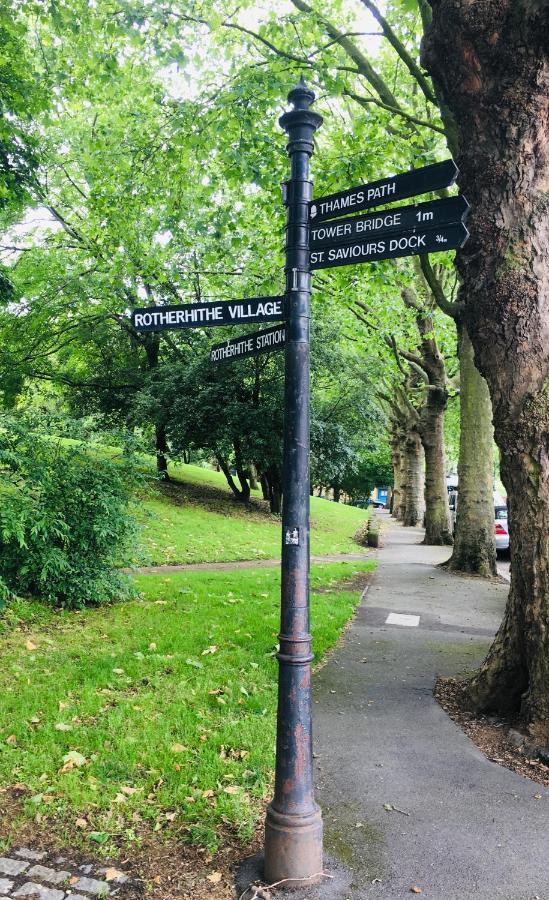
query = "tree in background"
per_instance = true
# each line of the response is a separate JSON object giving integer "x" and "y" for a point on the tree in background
{"x": 491, "y": 61}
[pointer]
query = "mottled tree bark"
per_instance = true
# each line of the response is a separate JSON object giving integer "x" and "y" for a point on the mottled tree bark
{"x": 413, "y": 500}
{"x": 474, "y": 541}
{"x": 430, "y": 364}
{"x": 492, "y": 62}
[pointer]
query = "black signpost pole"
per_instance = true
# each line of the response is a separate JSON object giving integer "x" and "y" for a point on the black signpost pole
{"x": 293, "y": 828}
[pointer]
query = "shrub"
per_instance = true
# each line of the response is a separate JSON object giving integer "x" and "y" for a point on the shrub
{"x": 64, "y": 520}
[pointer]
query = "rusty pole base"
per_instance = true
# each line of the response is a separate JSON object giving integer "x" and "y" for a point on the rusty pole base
{"x": 293, "y": 848}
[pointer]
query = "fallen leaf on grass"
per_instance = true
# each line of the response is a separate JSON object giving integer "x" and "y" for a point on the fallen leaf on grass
{"x": 211, "y": 649}
{"x": 30, "y": 646}
{"x": 178, "y": 748}
{"x": 81, "y": 823}
{"x": 231, "y": 789}
{"x": 129, "y": 790}
{"x": 71, "y": 760}
{"x": 62, "y": 726}
{"x": 11, "y": 740}
{"x": 111, "y": 874}
{"x": 215, "y": 877}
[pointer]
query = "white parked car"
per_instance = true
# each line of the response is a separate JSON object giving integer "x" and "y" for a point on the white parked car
{"x": 501, "y": 527}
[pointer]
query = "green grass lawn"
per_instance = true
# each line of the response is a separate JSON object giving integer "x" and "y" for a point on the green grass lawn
{"x": 156, "y": 714}
{"x": 196, "y": 519}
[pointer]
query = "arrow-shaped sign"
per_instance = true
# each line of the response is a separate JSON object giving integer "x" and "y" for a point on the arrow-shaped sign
{"x": 249, "y": 344}
{"x": 433, "y": 214}
{"x": 386, "y": 190}
{"x": 402, "y": 244}
{"x": 206, "y": 315}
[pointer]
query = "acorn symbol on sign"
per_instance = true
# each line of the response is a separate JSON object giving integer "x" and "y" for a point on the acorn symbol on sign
{"x": 313, "y": 212}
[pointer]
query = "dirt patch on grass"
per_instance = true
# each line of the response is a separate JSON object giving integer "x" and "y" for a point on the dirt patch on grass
{"x": 358, "y": 582}
{"x": 498, "y": 738}
{"x": 213, "y": 499}
{"x": 157, "y": 868}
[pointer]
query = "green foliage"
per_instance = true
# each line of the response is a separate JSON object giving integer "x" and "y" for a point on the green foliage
{"x": 64, "y": 520}
{"x": 169, "y": 702}
{"x": 375, "y": 469}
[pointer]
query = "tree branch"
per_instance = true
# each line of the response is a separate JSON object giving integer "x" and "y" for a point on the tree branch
{"x": 397, "y": 110}
{"x": 452, "y": 309}
{"x": 405, "y": 56}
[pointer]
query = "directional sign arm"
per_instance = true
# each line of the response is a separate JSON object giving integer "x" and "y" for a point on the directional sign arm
{"x": 390, "y": 247}
{"x": 433, "y": 214}
{"x": 385, "y": 190}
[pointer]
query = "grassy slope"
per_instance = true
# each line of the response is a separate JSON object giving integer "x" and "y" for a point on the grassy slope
{"x": 197, "y": 520}
{"x": 169, "y": 702}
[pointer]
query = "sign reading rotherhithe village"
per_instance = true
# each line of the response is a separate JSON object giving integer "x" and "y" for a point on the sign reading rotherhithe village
{"x": 386, "y": 190}
{"x": 206, "y": 315}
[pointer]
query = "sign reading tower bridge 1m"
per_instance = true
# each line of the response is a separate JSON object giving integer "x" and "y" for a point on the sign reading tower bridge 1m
{"x": 386, "y": 190}
{"x": 433, "y": 214}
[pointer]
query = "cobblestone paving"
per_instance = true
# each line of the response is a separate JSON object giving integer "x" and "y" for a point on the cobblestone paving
{"x": 42, "y": 876}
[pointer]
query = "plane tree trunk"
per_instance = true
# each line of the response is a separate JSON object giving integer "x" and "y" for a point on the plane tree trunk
{"x": 492, "y": 62}
{"x": 429, "y": 364}
{"x": 413, "y": 500}
{"x": 474, "y": 541}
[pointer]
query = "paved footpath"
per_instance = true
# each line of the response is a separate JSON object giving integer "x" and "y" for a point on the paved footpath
{"x": 408, "y": 799}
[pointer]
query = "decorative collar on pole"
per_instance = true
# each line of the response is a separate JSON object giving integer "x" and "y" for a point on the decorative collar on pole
{"x": 301, "y": 96}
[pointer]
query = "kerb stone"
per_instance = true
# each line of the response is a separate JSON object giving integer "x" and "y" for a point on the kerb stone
{"x": 30, "y": 889}
{"x": 92, "y": 886}
{"x": 12, "y": 866}
{"x": 51, "y": 875}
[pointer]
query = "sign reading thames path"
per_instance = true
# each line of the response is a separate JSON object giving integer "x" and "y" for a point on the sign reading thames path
{"x": 386, "y": 190}
{"x": 206, "y": 315}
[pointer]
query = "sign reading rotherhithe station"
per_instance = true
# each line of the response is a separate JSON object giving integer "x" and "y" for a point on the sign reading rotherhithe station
{"x": 433, "y": 214}
{"x": 386, "y": 190}
{"x": 249, "y": 345}
{"x": 206, "y": 315}
{"x": 402, "y": 244}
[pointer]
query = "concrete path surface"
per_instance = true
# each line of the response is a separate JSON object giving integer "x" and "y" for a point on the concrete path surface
{"x": 408, "y": 800}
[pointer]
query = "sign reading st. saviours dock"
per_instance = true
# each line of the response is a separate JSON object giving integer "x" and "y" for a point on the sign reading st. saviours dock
{"x": 206, "y": 315}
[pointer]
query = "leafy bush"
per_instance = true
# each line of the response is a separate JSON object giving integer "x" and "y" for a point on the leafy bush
{"x": 64, "y": 520}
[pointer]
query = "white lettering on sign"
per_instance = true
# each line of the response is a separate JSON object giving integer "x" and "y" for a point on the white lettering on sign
{"x": 413, "y": 241}
{"x": 385, "y": 221}
{"x": 322, "y": 232}
{"x": 356, "y": 198}
{"x": 353, "y": 250}
{"x": 271, "y": 308}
